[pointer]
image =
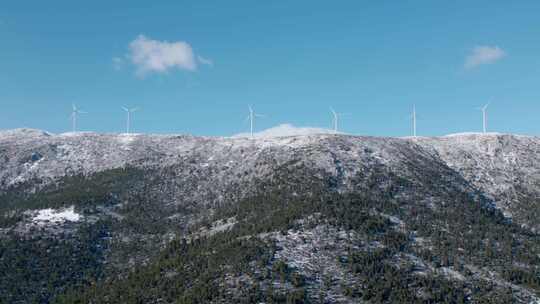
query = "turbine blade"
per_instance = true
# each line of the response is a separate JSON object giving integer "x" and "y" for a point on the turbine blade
{"x": 125, "y": 109}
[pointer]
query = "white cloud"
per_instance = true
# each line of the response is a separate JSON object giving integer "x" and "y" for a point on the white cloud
{"x": 484, "y": 55}
{"x": 286, "y": 130}
{"x": 160, "y": 56}
{"x": 205, "y": 61}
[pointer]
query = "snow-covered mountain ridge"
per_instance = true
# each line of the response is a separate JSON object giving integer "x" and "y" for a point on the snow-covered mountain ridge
{"x": 506, "y": 168}
{"x": 336, "y": 212}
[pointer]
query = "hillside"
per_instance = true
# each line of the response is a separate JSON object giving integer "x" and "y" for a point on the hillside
{"x": 504, "y": 167}
{"x": 327, "y": 218}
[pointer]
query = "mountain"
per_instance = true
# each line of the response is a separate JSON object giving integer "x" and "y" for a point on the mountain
{"x": 314, "y": 218}
{"x": 504, "y": 167}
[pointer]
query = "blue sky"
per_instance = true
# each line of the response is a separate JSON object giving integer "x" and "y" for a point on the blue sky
{"x": 193, "y": 67}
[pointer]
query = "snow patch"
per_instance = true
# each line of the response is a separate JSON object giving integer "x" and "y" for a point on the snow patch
{"x": 127, "y": 138}
{"x": 76, "y": 133}
{"x": 216, "y": 227}
{"x": 285, "y": 130}
{"x": 24, "y": 132}
{"x": 450, "y": 273}
{"x": 56, "y": 216}
{"x": 473, "y": 134}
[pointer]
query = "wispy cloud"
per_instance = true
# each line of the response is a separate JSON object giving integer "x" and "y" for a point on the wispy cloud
{"x": 154, "y": 56}
{"x": 483, "y": 54}
{"x": 205, "y": 61}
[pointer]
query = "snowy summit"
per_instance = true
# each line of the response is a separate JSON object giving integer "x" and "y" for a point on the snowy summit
{"x": 285, "y": 130}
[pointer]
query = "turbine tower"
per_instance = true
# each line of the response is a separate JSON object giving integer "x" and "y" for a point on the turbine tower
{"x": 335, "y": 119}
{"x": 74, "y": 112}
{"x": 484, "y": 117}
{"x": 413, "y": 117}
{"x": 251, "y": 118}
{"x": 128, "y": 122}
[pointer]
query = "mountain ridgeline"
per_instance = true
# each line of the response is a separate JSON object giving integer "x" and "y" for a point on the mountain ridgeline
{"x": 104, "y": 218}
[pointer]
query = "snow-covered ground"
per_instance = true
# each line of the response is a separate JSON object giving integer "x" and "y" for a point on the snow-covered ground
{"x": 506, "y": 168}
{"x": 57, "y": 216}
{"x": 285, "y": 130}
{"x": 495, "y": 163}
{"x": 473, "y": 134}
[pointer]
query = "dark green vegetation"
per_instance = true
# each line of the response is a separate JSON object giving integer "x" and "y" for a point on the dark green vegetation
{"x": 103, "y": 188}
{"x": 35, "y": 270}
{"x": 123, "y": 253}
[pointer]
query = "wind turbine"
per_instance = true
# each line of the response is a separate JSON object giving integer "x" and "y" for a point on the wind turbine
{"x": 413, "y": 117}
{"x": 335, "y": 119}
{"x": 251, "y": 118}
{"x": 74, "y": 112}
{"x": 484, "y": 116}
{"x": 129, "y": 111}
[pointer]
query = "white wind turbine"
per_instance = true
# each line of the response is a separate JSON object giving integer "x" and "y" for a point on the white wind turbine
{"x": 74, "y": 112}
{"x": 128, "y": 122}
{"x": 413, "y": 117}
{"x": 335, "y": 119}
{"x": 251, "y": 118}
{"x": 484, "y": 117}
